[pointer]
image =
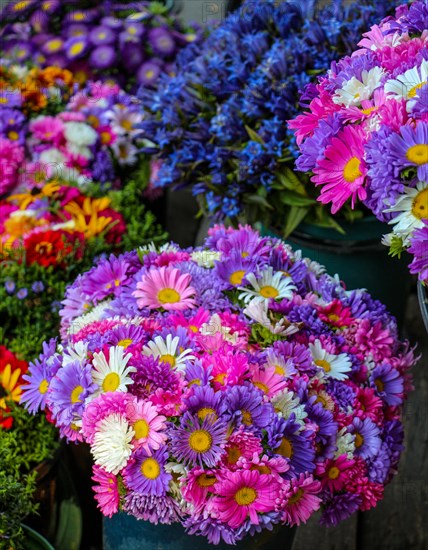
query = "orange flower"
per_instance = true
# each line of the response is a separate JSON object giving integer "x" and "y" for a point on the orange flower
{"x": 87, "y": 216}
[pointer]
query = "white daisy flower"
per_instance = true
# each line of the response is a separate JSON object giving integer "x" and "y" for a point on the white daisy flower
{"x": 94, "y": 315}
{"x": 286, "y": 403}
{"x": 258, "y": 311}
{"x": 126, "y": 153}
{"x": 214, "y": 326}
{"x": 269, "y": 285}
{"x": 112, "y": 445}
{"x": 354, "y": 91}
{"x": 166, "y": 351}
{"x": 334, "y": 366}
{"x": 413, "y": 206}
{"x": 123, "y": 121}
{"x": 345, "y": 444}
{"x": 75, "y": 352}
{"x": 112, "y": 374}
{"x": 79, "y": 150}
{"x": 79, "y": 133}
{"x": 406, "y": 85}
{"x": 205, "y": 258}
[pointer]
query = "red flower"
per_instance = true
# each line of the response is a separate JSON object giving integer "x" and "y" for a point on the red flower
{"x": 117, "y": 225}
{"x": 11, "y": 371}
{"x": 53, "y": 247}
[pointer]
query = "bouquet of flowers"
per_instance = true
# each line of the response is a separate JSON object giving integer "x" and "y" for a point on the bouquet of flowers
{"x": 365, "y": 136}
{"x": 230, "y": 388}
{"x": 131, "y": 43}
{"x": 219, "y": 124}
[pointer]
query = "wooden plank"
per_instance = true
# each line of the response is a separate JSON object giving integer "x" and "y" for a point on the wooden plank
{"x": 312, "y": 535}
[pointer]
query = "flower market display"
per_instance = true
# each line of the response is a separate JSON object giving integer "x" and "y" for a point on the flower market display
{"x": 220, "y": 124}
{"x": 365, "y": 136}
{"x": 131, "y": 43}
{"x": 230, "y": 387}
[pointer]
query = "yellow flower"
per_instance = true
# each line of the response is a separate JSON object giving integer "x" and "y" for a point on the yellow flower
{"x": 9, "y": 382}
{"x": 25, "y": 199}
{"x": 17, "y": 225}
{"x": 87, "y": 217}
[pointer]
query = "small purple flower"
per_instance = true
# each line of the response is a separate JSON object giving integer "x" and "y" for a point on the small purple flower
{"x": 339, "y": 507}
{"x": 245, "y": 405}
{"x": 76, "y": 47}
{"x": 103, "y": 57}
{"x": 367, "y": 440}
{"x": 22, "y": 293}
{"x": 161, "y": 41}
{"x": 164, "y": 509}
{"x": 148, "y": 73}
{"x": 388, "y": 383}
{"x": 102, "y": 35}
{"x": 10, "y": 286}
{"x": 37, "y": 287}
{"x": 419, "y": 249}
{"x": 55, "y": 44}
{"x": 205, "y": 401}
{"x": 145, "y": 473}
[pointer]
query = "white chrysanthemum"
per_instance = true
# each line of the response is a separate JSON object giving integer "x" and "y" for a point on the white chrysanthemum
{"x": 413, "y": 206}
{"x": 269, "y": 285}
{"x": 214, "y": 326}
{"x": 345, "y": 444}
{"x": 331, "y": 366}
{"x": 314, "y": 267}
{"x": 205, "y": 258}
{"x": 406, "y": 85}
{"x": 112, "y": 374}
{"x": 112, "y": 445}
{"x": 80, "y": 133}
{"x": 258, "y": 311}
{"x": 168, "y": 352}
{"x": 354, "y": 91}
{"x": 80, "y": 150}
{"x": 125, "y": 152}
{"x": 94, "y": 315}
{"x": 286, "y": 403}
{"x": 54, "y": 162}
{"x": 75, "y": 352}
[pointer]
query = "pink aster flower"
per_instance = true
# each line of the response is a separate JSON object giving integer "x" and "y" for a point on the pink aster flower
{"x": 268, "y": 381}
{"x": 48, "y": 129}
{"x": 374, "y": 339}
{"x": 11, "y": 158}
{"x": 265, "y": 465}
{"x": 193, "y": 323}
{"x": 243, "y": 494}
{"x": 342, "y": 171}
{"x": 335, "y": 314}
{"x": 241, "y": 444}
{"x": 106, "y": 492}
{"x": 333, "y": 473}
{"x": 171, "y": 258}
{"x": 166, "y": 288}
{"x": 369, "y": 404}
{"x": 230, "y": 367}
{"x": 147, "y": 423}
{"x": 198, "y": 486}
{"x": 103, "y": 406}
{"x": 299, "y": 499}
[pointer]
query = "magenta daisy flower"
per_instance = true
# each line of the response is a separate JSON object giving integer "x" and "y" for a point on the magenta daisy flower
{"x": 268, "y": 381}
{"x": 342, "y": 171}
{"x": 244, "y": 494}
{"x": 333, "y": 473}
{"x": 300, "y": 499}
{"x": 106, "y": 492}
{"x": 145, "y": 473}
{"x": 148, "y": 425}
{"x": 241, "y": 444}
{"x": 197, "y": 487}
{"x": 166, "y": 288}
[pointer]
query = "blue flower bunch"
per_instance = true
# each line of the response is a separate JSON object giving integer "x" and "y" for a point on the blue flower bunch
{"x": 219, "y": 126}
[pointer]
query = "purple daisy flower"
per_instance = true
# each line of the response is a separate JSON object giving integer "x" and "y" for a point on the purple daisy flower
{"x": 76, "y": 47}
{"x": 388, "y": 384}
{"x": 146, "y": 473}
{"x": 205, "y": 401}
{"x": 339, "y": 507}
{"x": 103, "y": 57}
{"x": 54, "y": 44}
{"x": 9, "y": 99}
{"x": 367, "y": 440}
{"x": 313, "y": 147}
{"x": 232, "y": 270}
{"x": 298, "y": 354}
{"x": 408, "y": 148}
{"x": 10, "y": 286}
{"x": 102, "y": 35}
{"x": 161, "y": 41}
{"x": 213, "y": 529}
{"x": 198, "y": 442}
{"x": 164, "y": 509}
{"x": 419, "y": 249}
{"x": 323, "y": 419}
{"x": 112, "y": 22}
{"x": 148, "y": 73}
{"x": 106, "y": 278}
{"x": 37, "y": 287}
{"x": 68, "y": 391}
{"x": 126, "y": 335}
{"x": 380, "y": 465}
{"x": 152, "y": 374}
{"x": 245, "y": 405}
{"x": 22, "y": 293}
{"x": 75, "y": 302}
{"x": 196, "y": 374}
{"x": 420, "y": 108}
{"x": 393, "y": 436}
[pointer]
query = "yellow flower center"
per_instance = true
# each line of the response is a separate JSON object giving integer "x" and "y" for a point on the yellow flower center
{"x": 246, "y": 418}
{"x": 359, "y": 440}
{"x": 263, "y": 469}
{"x": 261, "y": 386}
{"x": 296, "y": 497}
{"x": 54, "y": 45}
{"x": 193, "y": 328}
{"x": 141, "y": 429}
{"x": 352, "y": 170}
{"x": 168, "y": 296}
{"x": 323, "y": 364}
{"x": 420, "y": 205}
{"x": 233, "y": 454}
{"x": 245, "y": 496}
{"x": 43, "y": 386}
{"x": 124, "y": 343}
{"x": 206, "y": 480}
{"x": 111, "y": 382}
{"x": 77, "y": 48}
{"x": 21, "y": 5}
{"x": 236, "y": 277}
{"x": 321, "y": 400}
{"x": 205, "y": 411}
{"x": 279, "y": 370}
{"x": 3, "y": 100}
{"x": 220, "y": 378}
{"x": 200, "y": 441}
{"x": 75, "y": 394}
{"x": 74, "y": 427}
{"x": 333, "y": 317}
{"x": 12, "y": 135}
{"x": 269, "y": 292}
{"x": 167, "y": 358}
{"x": 78, "y": 16}
{"x": 418, "y": 154}
{"x": 105, "y": 138}
{"x": 245, "y": 254}
{"x": 93, "y": 121}
{"x": 150, "y": 468}
{"x": 368, "y": 110}
{"x": 150, "y": 73}
{"x": 379, "y": 385}
{"x": 194, "y": 382}
{"x": 334, "y": 472}
{"x": 413, "y": 91}
{"x": 126, "y": 125}
{"x": 285, "y": 448}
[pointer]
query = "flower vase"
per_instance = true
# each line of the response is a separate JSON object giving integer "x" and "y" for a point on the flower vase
{"x": 423, "y": 302}
{"x": 125, "y": 532}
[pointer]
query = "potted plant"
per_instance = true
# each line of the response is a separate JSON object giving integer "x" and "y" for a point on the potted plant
{"x": 233, "y": 389}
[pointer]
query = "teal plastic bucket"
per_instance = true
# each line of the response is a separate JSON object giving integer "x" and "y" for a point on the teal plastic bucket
{"x": 359, "y": 258}
{"x": 124, "y": 532}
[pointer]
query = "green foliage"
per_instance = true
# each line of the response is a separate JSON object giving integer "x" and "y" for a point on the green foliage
{"x": 397, "y": 247}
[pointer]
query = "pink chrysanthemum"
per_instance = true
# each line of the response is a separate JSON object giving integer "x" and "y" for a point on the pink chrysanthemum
{"x": 147, "y": 424}
{"x": 230, "y": 368}
{"x": 193, "y": 323}
{"x": 268, "y": 381}
{"x": 104, "y": 405}
{"x": 299, "y": 499}
{"x": 275, "y": 466}
{"x": 335, "y": 314}
{"x": 369, "y": 403}
{"x": 166, "y": 288}
{"x": 373, "y": 338}
{"x": 106, "y": 492}
{"x": 171, "y": 258}
{"x": 342, "y": 171}
{"x": 241, "y": 444}
{"x": 333, "y": 473}
{"x": 48, "y": 129}
{"x": 243, "y": 495}
{"x": 197, "y": 486}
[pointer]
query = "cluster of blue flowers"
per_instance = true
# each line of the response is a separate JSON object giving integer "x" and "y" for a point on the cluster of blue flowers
{"x": 220, "y": 124}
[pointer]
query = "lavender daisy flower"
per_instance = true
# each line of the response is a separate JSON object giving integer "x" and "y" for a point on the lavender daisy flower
{"x": 327, "y": 427}
{"x": 196, "y": 374}
{"x": 388, "y": 383}
{"x": 379, "y": 467}
{"x": 10, "y": 286}
{"x": 408, "y": 148}
{"x": 198, "y": 442}
{"x": 102, "y": 35}
{"x": 205, "y": 401}
{"x": 245, "y": 406}
{"x": 161, "y": 41}
{"x": 214, "y": 530}
{"x": 148, "y": 73}
{"x": 152, "y": 374}
{"x": 22, "y": 293}
{"x": 126, "y": 335}
{"x": 76, "y": 47}
{"x": 106, "y": 278}
{"x": 367, "y": 441}
{"x": 164, "y": 509}
{"x": 145, "y": 473}
{"x": 103, "y": 57}
{"x": 419, "y": 249}
{"x": 37, "y": 287}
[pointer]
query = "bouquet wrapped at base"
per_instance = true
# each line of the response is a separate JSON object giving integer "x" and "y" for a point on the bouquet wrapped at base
{"x": 231, "y": 387}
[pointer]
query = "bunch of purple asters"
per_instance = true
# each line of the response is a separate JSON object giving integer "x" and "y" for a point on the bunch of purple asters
{"x": 229, "y": 387}
{"x": 129, "y": 42}
{"x": 365, "y": 137}
{"x": 219, "y": 124}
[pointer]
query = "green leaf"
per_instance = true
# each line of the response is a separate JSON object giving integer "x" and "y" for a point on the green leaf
{"x": 258, "y": 200}
{"x": 295, "y": 215}
{"x": 254, "y": 136}
{"x": 295, "y": 199}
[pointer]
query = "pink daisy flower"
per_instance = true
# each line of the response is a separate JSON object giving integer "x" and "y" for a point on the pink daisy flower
{"x": 299, "y": 499}
{"x": 265, "y": 465}
{"x": 165, "y": 288}
{"x": 241, "y": 444}
{"x": 244, "y": 494}
{"x": 342, "y": 171}
{"x": 268, "y": 381}
{"x": 230, "y": 367}
{"x": 103, "y": 406}
{"x": 147, "y": 424}
{"x": 106, "y": 492}
{"x": 193, "y": 323}
{"x": 370, "y": 404}
{"x": 333, "y": 473}
{"x": 49, "y": 129}
{"x": 198, "y": 486}
{"x": 374, "y": 339}
{"x": 335, "y": 314}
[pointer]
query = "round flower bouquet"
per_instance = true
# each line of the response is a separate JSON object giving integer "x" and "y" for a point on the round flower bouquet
{"x": 230, "y": 388}
{"x": 365, "y": 137}
{"x": 132, "y": 43}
